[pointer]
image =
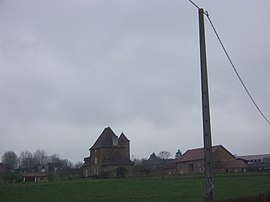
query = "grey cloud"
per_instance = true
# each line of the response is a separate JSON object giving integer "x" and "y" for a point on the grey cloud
{"x": 70, "y": 69}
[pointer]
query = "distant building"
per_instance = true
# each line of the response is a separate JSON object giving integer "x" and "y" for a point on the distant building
{"x": 157, "y": 166}
{"x": 252, "y": 159}
{"x": 4, "y": 168}
{"x": 109, "y": 156}
{"x": 192, "y": 161}
{"x": 259, "y": 162}
{"x": 153, "y": 165}
{"x": 35, "y": 177}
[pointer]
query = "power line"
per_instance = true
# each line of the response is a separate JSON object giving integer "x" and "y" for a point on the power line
{"x": 194, "y": 4}
{"x": 236, "y": 72}
{"x": 232, "y": 64}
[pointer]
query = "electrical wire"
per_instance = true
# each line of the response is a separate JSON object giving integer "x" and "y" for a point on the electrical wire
{"x": 194, "y": 4}
{"x": 235, "y": 70}
{"x": 232, "y": 64}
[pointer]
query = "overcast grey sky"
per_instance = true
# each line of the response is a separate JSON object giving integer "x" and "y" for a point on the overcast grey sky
{"x": 68, "y": 69}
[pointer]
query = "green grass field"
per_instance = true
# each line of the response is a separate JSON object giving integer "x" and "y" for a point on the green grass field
{"x": 171, "y": 189}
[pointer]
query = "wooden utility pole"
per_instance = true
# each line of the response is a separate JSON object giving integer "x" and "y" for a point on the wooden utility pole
{"x": 208, "y": 163}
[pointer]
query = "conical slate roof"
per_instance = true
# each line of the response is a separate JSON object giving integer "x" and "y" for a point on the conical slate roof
{"x": 105, "y": 139}
{"x": 123, "y": 137}
{"x": 123, "y": 140}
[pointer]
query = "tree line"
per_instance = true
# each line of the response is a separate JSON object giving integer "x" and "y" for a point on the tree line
{"x": 27, "y": 160}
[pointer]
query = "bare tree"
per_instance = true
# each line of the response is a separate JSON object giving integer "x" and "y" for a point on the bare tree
{"x": 10, "y": 158}
{"x": 138, "y": 162}
{"x": 78, "y": 165}
{"x": 26, "y": 160}
{"x": 40, "y": 157}
{"x": 67, "y": 163}
{"x": 164, "y": 154}
{"x": 55, "y": 158}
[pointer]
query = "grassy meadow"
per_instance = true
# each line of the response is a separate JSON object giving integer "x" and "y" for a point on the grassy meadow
{"x": 145, "y": 189}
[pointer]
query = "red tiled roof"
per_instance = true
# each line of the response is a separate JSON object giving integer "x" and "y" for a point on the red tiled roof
{"x": 34, "y": 174}
{"x": 234, "y": 163}
{"x": 196, "y": 154}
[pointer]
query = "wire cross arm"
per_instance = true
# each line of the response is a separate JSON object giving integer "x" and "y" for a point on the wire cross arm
{"x": 204, "y": 12}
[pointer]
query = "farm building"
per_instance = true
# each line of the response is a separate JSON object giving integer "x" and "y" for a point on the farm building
{"x": 4, "y": 168}
{"x": 35, "y": 177}
{"x": 259, "y": 162}
{"x": 155, "y": 165}
{"x": 109, "y": 156}
{"x": 192, "y": 161}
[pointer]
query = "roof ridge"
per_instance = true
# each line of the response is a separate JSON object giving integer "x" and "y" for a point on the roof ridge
{"x": 198, "y": 148}
{"x": 197, "y": 153}
{"x": 105, "y": 139}
{"x": 123, "y": 137}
